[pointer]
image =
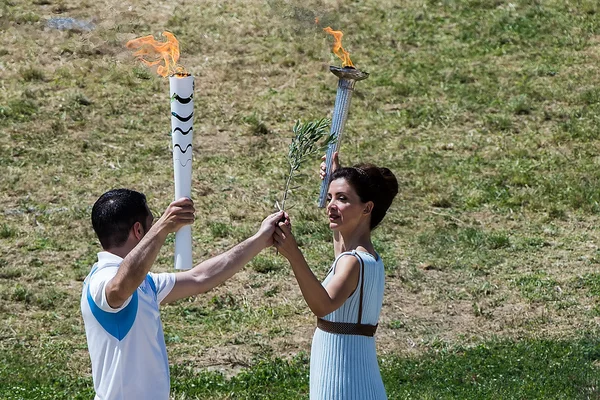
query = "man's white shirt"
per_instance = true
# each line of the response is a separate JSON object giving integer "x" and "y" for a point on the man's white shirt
{"x": 126, "y": 344}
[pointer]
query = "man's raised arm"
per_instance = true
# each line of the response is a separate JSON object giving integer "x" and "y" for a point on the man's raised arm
{"x": 212, "y": 272}
{"x": 136, "y": 264}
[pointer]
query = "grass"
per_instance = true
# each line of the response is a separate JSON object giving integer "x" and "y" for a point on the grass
{"x": 487, "y": 111}
{"x": 531, "y": 369}
{"x": 528, "y": 369}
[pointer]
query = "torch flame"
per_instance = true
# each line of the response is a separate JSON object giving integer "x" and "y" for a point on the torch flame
{"x": 152, "y": 52}
{"x": 338, "y": 50}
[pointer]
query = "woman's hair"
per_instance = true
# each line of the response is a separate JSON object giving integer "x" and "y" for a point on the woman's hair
{"x": 371, "y": 183}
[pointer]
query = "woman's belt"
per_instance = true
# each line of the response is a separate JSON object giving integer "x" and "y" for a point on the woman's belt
{"x": 346, "y": 328}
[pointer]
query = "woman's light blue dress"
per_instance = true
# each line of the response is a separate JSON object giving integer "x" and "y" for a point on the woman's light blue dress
{"x": 344, "y": 367}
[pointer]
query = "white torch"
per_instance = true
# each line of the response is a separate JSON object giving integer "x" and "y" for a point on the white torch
{"x": 182, "y": 132}
{"x": 153, "y": 53}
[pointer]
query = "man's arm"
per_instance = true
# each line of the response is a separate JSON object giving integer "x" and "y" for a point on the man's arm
{"x": 138, "y": 262}
{"x": 211, "y": 273}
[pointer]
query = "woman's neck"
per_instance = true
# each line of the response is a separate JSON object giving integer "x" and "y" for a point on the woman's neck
{"x": 354, "y": 239}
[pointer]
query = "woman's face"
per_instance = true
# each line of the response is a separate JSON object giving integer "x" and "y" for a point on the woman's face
{"x": 344, "y": 207}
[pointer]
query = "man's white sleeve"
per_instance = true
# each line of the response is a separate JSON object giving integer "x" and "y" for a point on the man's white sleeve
{"x": 97, "y": 287}
{"x": 164, "y": 283}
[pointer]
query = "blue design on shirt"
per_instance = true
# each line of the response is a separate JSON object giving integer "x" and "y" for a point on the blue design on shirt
{"x": 116, "y": 324}
{"x": 152, "y": 285}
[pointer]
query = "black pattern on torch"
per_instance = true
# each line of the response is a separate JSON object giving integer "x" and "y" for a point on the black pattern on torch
{"x": 348, "y": 76}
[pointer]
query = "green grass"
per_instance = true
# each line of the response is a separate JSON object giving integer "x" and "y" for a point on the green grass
{"x": 538, "y": 288}
{"x": 530, "y": 369}
{"x": 486, "y": 111}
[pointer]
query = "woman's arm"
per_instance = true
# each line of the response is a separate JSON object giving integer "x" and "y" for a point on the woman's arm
{"x": 321, "y": 300}
{"x": 338, "y": 245}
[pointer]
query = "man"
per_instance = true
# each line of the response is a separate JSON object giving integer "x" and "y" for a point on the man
{"x": 120, "y": 296}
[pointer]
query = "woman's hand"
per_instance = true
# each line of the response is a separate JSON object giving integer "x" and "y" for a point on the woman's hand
{"x": 323, "y": 167}
{"x": 284, "y": 240}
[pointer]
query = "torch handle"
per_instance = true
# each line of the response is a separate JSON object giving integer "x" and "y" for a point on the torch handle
{"x": 183, "y": 188}
{"x": 338, "y": 121}
{"x": 183, "y": 248}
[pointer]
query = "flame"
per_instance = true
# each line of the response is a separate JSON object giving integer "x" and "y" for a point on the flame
{"x": 338, "y": 50}
{"x": 152, "y": 52}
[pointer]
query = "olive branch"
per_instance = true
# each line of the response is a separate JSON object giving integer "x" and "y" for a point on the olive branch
{"x": 310, "y": 138}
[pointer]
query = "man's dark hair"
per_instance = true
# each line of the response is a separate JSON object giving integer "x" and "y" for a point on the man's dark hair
{"x": 115, "y": 213}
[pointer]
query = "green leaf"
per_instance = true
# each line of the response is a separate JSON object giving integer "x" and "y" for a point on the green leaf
{"x": 310, "y": 138}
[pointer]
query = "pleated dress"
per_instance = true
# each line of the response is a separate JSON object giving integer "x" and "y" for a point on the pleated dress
{"x": 345, "y": 367}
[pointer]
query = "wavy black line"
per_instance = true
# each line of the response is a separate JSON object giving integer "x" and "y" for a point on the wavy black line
{"x": 180, "y": 149}
{"x": 182, "y": 119}
{"x": 181, "y": 99}
{"x": 186, "y": 162}
{"x": 181, "y": 130}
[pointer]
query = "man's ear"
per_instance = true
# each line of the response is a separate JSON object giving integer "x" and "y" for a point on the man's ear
{"x": 368, "y": 207}
{"x": 138, "y": 231}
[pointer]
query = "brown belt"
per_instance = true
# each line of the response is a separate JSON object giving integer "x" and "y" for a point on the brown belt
{"x": 346, "y": 328}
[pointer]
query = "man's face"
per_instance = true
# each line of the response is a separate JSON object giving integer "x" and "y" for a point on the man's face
{"x": 149, "y": 220}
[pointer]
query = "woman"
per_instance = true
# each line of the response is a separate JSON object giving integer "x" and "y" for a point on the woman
{"x": 347, "y": 304}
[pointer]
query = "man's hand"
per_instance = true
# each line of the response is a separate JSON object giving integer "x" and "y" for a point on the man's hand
{"x": 178, "y": 214}
{"x": 267, "y": 228}
{"x": 334, "y": 166}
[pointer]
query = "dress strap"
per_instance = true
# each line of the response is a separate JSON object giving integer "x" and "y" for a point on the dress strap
{"x": 362, "y": 284}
